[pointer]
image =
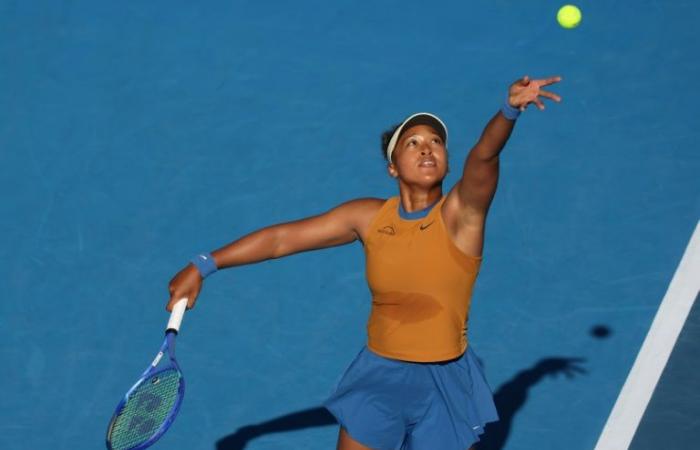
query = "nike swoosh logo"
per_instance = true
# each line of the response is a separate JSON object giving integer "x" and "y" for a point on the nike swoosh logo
{"x": 424, "y": 226}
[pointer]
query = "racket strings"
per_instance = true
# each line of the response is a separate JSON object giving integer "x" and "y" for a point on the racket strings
{"x": 146, "y": 409}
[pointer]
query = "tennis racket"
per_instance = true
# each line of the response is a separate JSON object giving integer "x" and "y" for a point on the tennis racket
{"x": 150, "y": 406}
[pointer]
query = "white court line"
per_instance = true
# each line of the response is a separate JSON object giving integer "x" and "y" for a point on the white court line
{"x": 656, "y": 349}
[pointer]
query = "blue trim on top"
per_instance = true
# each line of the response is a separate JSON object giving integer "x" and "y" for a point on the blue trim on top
{"x": 415, "y": 214}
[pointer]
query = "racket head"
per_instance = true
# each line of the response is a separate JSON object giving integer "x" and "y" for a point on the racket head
{"x": 149, "y": 408}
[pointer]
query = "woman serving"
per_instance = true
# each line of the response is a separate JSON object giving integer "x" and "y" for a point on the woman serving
{"x": 416, "y": 384}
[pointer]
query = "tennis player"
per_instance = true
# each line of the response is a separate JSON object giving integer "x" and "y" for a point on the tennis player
{"x": 417, "y": 383}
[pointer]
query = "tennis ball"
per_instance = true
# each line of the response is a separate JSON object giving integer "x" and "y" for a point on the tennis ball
{"x": 569, "y": 16}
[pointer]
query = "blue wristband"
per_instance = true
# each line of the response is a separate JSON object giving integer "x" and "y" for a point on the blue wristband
{"x": 509, "y": 112}
{"x": 205, "y": 264}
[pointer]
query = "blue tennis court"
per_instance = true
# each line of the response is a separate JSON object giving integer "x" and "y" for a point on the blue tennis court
{"x": 134, "y": 136}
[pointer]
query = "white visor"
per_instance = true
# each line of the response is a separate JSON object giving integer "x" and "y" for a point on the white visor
{"x": 422, "y": 118}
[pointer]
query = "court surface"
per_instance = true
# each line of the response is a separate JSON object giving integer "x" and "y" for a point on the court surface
{"x": 136, "y": 135}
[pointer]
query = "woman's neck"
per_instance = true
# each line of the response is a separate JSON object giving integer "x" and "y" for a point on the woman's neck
{"x": 413, "y": 201}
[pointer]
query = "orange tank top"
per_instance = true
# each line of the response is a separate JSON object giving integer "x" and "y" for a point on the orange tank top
{"x": 421, "y": 286}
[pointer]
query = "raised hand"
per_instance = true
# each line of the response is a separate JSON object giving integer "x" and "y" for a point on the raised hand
{"x": 525, "y": 91}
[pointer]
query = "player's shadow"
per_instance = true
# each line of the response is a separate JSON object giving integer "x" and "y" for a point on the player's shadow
{"x": 512, "y": 395}
{"x": 313, "y": 417}
{"x": 509, "y": 399}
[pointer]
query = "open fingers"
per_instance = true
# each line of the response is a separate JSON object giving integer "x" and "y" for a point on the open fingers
{"x": 550, "y": 80}
{"x": 550, "y": 95}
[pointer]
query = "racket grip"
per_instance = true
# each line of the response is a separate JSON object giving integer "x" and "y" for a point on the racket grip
{"x": 176, "y": 315}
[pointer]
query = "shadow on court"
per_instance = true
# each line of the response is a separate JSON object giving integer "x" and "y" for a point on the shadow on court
{"x": 512, "y": 395}
{"x": 314, "y": 417}
{"x": 509, "y": 399}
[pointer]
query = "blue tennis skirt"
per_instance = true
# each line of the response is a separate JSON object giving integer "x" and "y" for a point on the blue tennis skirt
{"x": 390, "y": 404}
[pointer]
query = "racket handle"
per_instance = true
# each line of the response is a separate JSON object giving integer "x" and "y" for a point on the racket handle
{"x": 176, "y": 315}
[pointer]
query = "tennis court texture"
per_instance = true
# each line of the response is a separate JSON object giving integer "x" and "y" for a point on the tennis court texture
{"x": 135, "y": 135}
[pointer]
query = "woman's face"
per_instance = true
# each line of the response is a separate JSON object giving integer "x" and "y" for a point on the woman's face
{"x": 420, "y": 157}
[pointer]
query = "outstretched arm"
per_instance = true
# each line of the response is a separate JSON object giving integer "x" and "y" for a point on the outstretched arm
{"x": 338, "y": 226}
{"x": 479, "y": 179}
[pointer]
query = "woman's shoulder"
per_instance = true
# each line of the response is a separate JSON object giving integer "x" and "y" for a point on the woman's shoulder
{"x": 361, "y": 211}
{"x": 366, "y": 205}
{"x": 370, "y": 201}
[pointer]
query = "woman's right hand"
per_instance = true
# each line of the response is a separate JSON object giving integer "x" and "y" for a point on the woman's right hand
{"x": 186, "y": 283}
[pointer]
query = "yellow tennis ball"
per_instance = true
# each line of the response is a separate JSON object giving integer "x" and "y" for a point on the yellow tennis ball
{"x": 569, "y": 16}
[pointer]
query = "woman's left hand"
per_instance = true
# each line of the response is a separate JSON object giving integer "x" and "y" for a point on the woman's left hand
{"x": 526, "y": 91}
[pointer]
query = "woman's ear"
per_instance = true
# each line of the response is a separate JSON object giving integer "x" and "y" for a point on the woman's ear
{"x": 392, "y": 170}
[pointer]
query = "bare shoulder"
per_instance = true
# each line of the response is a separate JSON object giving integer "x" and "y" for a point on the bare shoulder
{"x": 363, "y": 208}
{"x": 365, "y": 204}
{"x": 360, "y": 213}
